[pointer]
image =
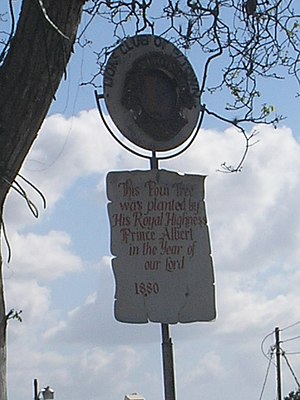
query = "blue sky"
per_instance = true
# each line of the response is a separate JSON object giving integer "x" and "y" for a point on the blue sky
{"x": 60, "y": 274}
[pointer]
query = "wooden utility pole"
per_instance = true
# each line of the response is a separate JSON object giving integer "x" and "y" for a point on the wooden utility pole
{"x": 278, "y": 367}
{"x": 35, "y": 389}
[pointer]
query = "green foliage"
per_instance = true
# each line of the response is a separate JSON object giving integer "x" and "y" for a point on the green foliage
{"x": 293, "y": 395}
{"x": 247, "y": 39}
{"x": 240, "y": 45}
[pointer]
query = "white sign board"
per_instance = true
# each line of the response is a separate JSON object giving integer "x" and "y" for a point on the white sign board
{"x": 160, "y": 242}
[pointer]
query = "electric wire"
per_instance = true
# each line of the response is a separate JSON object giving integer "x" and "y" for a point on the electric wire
{"x": 290, "y": 339}
{"x": 290, "y": 368}
{"x": 290, "y": 326}
{"x": 269, "y": 355}
{"x": 18, "y": 188}
{"x": 31, "y": 205}
{"x": 266, "y": 374}
{"x": 263, "y": 342}
{"x": 36, "y": 189}
{"x": 6, "y": 240}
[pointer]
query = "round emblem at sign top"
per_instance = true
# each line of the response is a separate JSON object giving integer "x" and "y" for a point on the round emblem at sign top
{"x": 151, "y": 92}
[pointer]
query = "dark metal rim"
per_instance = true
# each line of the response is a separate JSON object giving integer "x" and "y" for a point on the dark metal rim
{"x": 190, "y": 140}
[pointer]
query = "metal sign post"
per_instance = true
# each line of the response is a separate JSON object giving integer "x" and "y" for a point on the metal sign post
{"x": 167, "y": 345}
{"x": 168, "y": 363}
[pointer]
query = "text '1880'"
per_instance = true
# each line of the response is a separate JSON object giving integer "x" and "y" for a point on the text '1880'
{"x": 146, "y": 288}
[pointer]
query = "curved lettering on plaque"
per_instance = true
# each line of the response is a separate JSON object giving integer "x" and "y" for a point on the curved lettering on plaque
{"x": 151, "y": 92}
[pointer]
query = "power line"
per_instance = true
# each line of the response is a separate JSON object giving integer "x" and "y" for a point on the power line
{"x": 262, "y": 345}
{"x": 266, "y": 374}
{"x": 290, "y": 368}
{"x": 290, "y": 339}
{"x": 276, "y": 348}
{"x": 290, "y": 326}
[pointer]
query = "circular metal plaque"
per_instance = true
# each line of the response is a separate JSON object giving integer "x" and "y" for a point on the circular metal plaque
{"x": 151, "y": 92}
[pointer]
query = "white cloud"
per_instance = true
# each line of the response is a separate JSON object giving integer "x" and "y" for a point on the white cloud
{"x": 44, "y": 257}
{"x": 28, "y": 296}
{"x": 255, "y": 230}
{"x": 67, "y": 149}
{"x": 208, "y": 368}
